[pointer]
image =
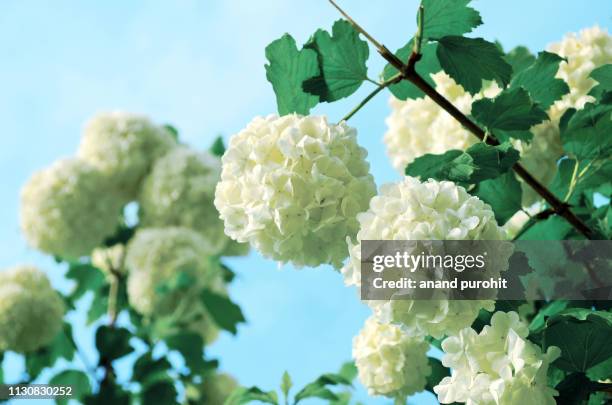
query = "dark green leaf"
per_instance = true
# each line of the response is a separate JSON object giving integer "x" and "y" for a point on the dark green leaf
{"x": 109, "y": 393}
{"x": 583, "y": 337}
{"x": 342, "y": 60}
{"x": 86, "y": 277}
{"x": 162, "y": 393}
{"x": 318, "y": 388}
{"x": 603, "y": 75}
{"x": 146, "y": 369}
{"x": 226, "y": 314}
{"x": 552, "y": 308}
{"x": 520, "y": 58}
{"x": 573, "y": 390}
{"x": 511, "y": 110}
{"x": 287, "y": 70}
{"x": 478, "y": 163}
{"x": 218, "y": 147}
{"x": 172, "y": 131}
{"x": 77, "y": 379}
{"x": 505, "y": 136}
{"x": 425, "y": 67}
{"x": 601, "y": 371}
{"x": 503, "y": 194}
{"x": 113, "y": 342}
{"x": 448, "y": 17}
{"x": 586, "y": 133}
{"x": 246, "y": 395}
{"x": 438, "y": 372}
{"x": 470, "y": 60}
{"x": 190, "y": 345}
{"x": 539, "y": 80}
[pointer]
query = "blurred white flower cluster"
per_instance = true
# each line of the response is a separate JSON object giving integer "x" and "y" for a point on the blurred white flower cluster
{"x": 213, "y": 390}
{"x": 496, "y": 366}
{"x": 31, "y": 311}
{"x": 389, "y": 361}
{"x": 292, "y": 186}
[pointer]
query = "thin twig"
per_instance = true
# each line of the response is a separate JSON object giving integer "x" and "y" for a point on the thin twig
{"x": 409, "y": 73}
{"x": 378, "y": 89}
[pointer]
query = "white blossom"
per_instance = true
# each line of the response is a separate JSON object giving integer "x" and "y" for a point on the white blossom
{"x": 292, "y": 187}
{"x": 180, "y": 191}
{"x": 389, "y": 361}
{"x": 124, "y": 146}
{"x": 496, "y": 366}
{"x": 67, "y": 209}
{"x": 431, "y": 210}
{"x": 31, "y": 311}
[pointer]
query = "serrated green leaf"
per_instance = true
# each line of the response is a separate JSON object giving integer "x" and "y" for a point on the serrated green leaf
{"x": 113, "y": 342}
{"x": 342, "y": 60}
{"x": 469, "y": 61}
{"x": 86, "y": 278}
{"x": 520, "y": 59}
{"x": 77, "y": 379}
{"x": 245, "y": 395}
{"x": 583, "y": 337}
{"x": 61, "y": 347}
{"x": 425, "y": 68}
{"x": 191, "y": 346}
{"x": 226, "y": 314}
{"x": 586, "y": 133}
{"x": 448, "y": 17}
{"x": 218, "y": 147}
{"x": 478, "y": 163}
{"x": 438, "y": 372}
{"x": 511, "y": 110}
{"x": 503, "y": 194}
{"x": 287, "y": 69}
{"x": 603, "y": 76}
{"x": 539, "y": 80}
{"x": 161, "y": 392}
{"x": 286, "y": 384}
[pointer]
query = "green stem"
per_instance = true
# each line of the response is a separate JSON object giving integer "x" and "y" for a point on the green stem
{"x": 418, "y": 37}
{"x": 378, "y": 89}
{"x": 573, "y": 181}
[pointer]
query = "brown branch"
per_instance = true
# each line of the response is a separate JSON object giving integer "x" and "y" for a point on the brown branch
{"x": 409, "y": 73}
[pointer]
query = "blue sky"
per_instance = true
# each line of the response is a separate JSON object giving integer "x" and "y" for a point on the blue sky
{"x": 199, "y": 66}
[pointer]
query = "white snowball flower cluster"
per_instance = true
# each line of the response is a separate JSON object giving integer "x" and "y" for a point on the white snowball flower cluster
{"x": 389, "y": 361}
{"x": 31, "y": 311}
{"x": 124, "y": 146}
{"x": 420, "y": 126}
{"x": 213, "y": 390}
{"x": 180, "y": 192}
{"x": 496, "y": 366}
{"x": 431, "y": 210}
{"x": 292, "y": 187}
{"x": 67, "y": 210}
{"x": 589, "y": 49}
{"x": 156, "y": 257}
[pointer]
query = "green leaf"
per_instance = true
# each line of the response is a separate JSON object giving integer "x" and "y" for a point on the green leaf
{"x": 286, "y": 384}
{"x": 342, "y": 60}
{"x": 539, "y": 80}
{"x": 86, "y": 277}
{"x": 478, "y": 163}
{"x": 470, "y": 60}
{"x": 172, "y": 131}
{"x": 603, "y": 75}
{"x": 218, "y": 147}
{"x": 503, "y": 194}
{"x": 147, "y": 370}
{"x": 287, "y": 70}
{"x": 583, "y": 337}
{"x": 75, "y": 378}
{"x": 226, "y": 314}
{"x": 162, "y": 393}
{"x": 552, "y": 228}
{"x": 438, "y": 372}
{"x": 448, "y": 17}
{"x": 552, "y": 308}
{"x": 113, "y": 342}
{"x": 601, "y": 371}
{"x": 191, "y": 346}
{"x": 574, "y": 389}
{"x": 109, "y": 393}
{"x": 245, "y": 395}
{"x": 318, "y": 388}
{"x": 586, "y": 133}
{"x": 520, "y": 59}
{"x": 511, "y": 110}
{"x": 62, "y": 347}
{"x": 425, "y": 67}
{"x": 348, "y": 371}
